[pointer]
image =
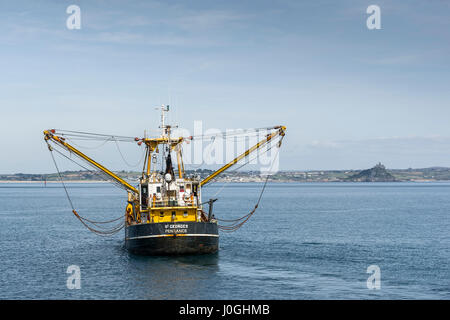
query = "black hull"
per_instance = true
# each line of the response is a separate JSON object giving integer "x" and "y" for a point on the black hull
{"x": 172, "y": 238}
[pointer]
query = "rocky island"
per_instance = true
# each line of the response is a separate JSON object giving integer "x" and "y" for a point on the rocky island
{"x": 375, "y": 174}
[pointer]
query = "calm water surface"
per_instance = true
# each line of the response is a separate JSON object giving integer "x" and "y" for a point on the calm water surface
{"x": 306, "y": 241}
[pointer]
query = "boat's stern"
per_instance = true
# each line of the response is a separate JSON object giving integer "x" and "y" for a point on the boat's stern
{"x": 170, "y": 238}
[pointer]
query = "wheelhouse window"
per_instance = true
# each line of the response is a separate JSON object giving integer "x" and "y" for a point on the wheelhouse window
{"x": 144, "y": 195}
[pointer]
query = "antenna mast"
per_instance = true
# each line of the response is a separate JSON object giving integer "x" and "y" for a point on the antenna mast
{"x": 163, "y": 126}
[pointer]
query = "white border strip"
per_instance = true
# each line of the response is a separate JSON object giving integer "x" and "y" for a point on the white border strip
{"x": 174, "y": 235}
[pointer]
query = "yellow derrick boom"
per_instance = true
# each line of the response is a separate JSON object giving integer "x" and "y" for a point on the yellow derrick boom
{"x": 49, "y": 135}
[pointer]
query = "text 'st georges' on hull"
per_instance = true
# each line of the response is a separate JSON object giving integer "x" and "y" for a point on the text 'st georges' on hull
{"x": 172, "y": 238}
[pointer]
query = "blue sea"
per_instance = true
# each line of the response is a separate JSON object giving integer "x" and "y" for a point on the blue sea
{"x": 305, "y": 241}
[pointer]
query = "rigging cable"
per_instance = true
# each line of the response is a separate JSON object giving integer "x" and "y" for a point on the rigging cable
{"x": 235, "y": 224}
{"x": 269, "y": 145}
{"x": 85, "y": 221}
{"x": 91, "y": 135}
{"x": 95, "y": 172}
{"x": 84, "y": 147}
{"x": 235, "y": 170}
{"x": 123, "y": 158}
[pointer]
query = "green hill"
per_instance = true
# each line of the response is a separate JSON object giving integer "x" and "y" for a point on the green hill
{"x": 375, "y": 174}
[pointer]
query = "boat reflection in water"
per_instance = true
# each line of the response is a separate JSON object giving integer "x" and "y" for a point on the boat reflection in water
{"x": 173, "y": 277}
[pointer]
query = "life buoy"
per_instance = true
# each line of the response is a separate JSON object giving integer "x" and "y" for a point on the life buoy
{"x": 129, "y": 213}
{"x": 129, "y": 209}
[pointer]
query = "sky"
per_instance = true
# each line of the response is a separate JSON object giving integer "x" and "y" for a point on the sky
{"x": 349, "y": 96}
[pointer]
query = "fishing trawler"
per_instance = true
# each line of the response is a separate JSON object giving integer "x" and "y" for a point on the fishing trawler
{"x": 164, "y": 213}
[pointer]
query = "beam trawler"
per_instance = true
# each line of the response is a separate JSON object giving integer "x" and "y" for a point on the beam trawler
{"x": 164, "y": 212}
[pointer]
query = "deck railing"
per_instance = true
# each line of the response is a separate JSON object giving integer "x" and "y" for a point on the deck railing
{"x": 169, "y": 203}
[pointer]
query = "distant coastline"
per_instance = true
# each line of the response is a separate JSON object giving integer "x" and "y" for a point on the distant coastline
{"x": 376, "y": 174}
{"x": 53, "y": 181}
{"x": 219, "y": 181}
